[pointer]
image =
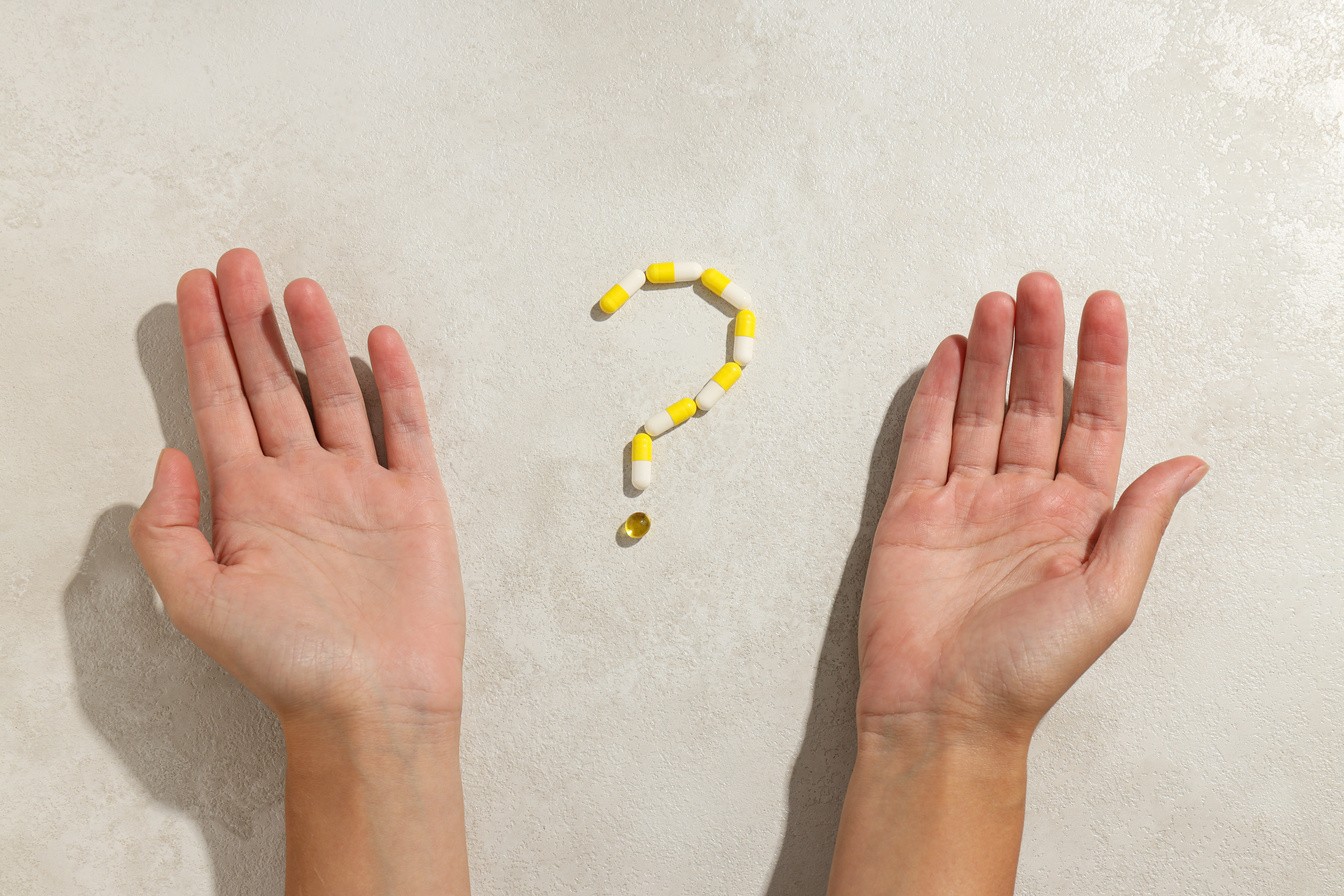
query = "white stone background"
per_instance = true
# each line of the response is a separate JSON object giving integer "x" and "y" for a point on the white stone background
{"x": 674, "y": 717}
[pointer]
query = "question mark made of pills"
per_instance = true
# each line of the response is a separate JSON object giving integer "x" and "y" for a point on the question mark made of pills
{"x": 744, "y": 345}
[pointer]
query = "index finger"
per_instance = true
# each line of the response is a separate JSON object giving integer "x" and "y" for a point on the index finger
{"x": 223, "y": 417}
{"x": 926, "y": 441}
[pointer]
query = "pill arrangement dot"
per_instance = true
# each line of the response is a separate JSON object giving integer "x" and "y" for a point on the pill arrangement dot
{"x": 677, "y": 413}
{"x": 637, "y": 525}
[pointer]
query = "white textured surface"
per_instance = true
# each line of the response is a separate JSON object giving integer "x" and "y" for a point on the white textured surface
{"x": 477, "y": 176}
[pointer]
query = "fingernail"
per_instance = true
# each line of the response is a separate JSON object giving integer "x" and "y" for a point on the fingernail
{"x": 1193, "y": 479}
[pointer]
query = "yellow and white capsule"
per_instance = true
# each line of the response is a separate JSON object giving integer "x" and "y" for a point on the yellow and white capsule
{"x": 744, "y": 337}
{"x": 617, "y": 295}
{"x": 676, "y": 414}
{"x": 718, "y": 384}
{"x": 674, "y": 271}
{"x": 719, "y": 284}
{"x": 641, "y": 461}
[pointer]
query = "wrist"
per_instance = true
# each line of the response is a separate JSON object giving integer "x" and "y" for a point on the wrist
{"x": 373, "y": 804}
{"x": 994, "y": 767}
{"x": 367, "y": 734}
{"x": 928, "y": 733}
{"x": 931, "y": 810}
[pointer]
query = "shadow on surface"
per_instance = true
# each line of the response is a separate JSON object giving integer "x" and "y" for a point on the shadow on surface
{"x": 826, "y": 756}
{"x": 195, "y": 738}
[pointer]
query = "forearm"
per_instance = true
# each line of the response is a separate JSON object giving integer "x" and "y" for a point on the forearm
{"x": 926, "y": 816}
{"x": 374, "y": 810}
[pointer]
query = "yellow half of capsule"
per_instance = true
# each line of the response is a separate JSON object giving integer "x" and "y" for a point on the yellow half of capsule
{"x": 727, "y": 375}
{"x": 682, "y": 410}
{"x": 715, "y": 280}
{"x": 664, "y": 272}
{"x": 614, "y": 298}
{"x": 746, "y": 324}
{"x": 642, "y": 447}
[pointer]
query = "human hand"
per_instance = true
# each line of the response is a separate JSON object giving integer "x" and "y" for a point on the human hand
{"x": 999, "y": 569}
{"x": 332, "y": 590}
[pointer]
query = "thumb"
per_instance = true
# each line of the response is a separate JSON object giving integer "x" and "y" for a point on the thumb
{"x": 1125, "y": 550}
{"x": 176, "y": 555}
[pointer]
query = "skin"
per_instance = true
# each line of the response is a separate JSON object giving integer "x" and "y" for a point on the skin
{"x": 332, "y": 588}
{"x": 1000, "y": 571}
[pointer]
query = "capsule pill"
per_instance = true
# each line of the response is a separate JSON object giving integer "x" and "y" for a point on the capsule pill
{"x": 618, "y": 294}
{"x": 718, "y": 384}
{"x": 744, "y": 337}
{"x": 641, "y": 461}
{"x": 719, "y": 284}
{"x": 674, "y": 272}
{"x": 637, "y": 525}
{"x": 677, "y": 413}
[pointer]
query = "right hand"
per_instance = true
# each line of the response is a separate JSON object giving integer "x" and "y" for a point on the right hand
{"x": 332, "y": 589}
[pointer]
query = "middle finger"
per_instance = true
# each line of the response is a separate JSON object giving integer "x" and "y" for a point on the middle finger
{"x": 268, "y": 376}
{"x": 1030, "y": 440}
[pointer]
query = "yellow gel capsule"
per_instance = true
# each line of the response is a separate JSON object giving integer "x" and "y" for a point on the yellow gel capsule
{"x": 744, "y": 337}
{"x": 637, "y": 525}
{"x": 618, "y": 294}
{"x": 718, "y": 384}
{"x": 641, "y": 461}
{"x": 676, "y": 414}
{"x": 719, "y": 284}
{"x": 674, "y": 272}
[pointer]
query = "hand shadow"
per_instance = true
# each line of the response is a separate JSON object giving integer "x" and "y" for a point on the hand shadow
{"x": 826, "y": 755}
{"x": 195, "y": 738}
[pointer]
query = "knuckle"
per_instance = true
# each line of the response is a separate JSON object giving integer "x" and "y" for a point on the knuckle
{"x": 1095, "y": 421}
{"x": 342, "y": 399}
{"x": 976, "y": 418}
{"x": 1031, "y": 406}
{"x": 273, "y": 381}
{"x": 220, "y": 394}
{"x": 408, "y": 426}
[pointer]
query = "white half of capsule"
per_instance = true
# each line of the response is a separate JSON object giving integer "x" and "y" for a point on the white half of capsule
{"x": 736, "y": 296}
{"x": 641, "y": 473}
{"x": 632, "y": 281}
{"x": 744, "y": 347}
{"x": 659, "y": 423}
{"x": 686, "y": 270}
{"x": 708, "y": 396}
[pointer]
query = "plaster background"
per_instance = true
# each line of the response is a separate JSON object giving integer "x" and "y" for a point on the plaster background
{"x": 675, "y": 717}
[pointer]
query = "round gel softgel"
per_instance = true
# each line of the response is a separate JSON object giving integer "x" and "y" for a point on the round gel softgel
{"x": 637, "y": 525}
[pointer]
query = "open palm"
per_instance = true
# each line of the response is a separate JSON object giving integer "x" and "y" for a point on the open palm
{"x": 332, "y": 585}
{"x": 999, "y": 570}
